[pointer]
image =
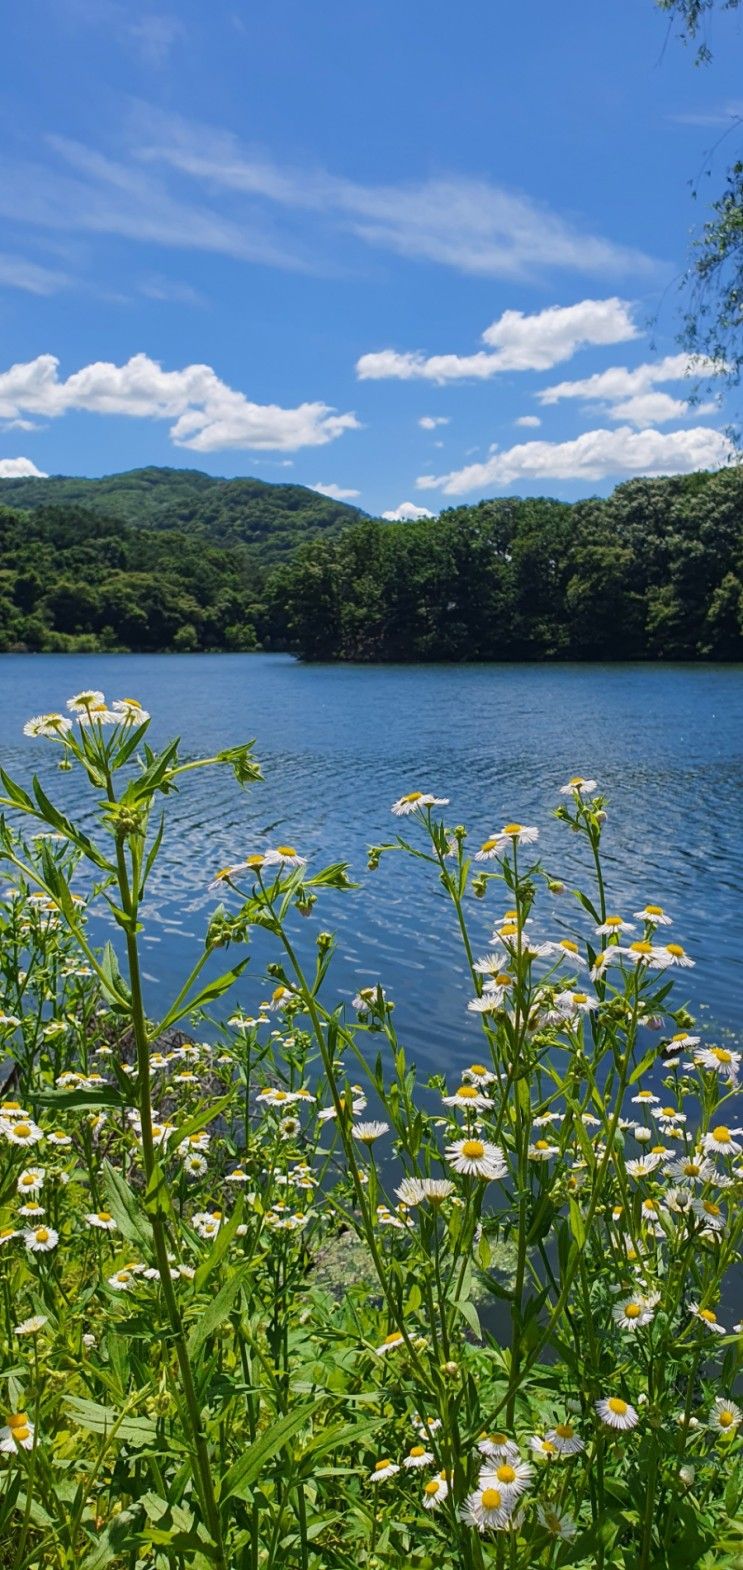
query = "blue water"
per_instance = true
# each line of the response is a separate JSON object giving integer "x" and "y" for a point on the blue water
{"x": 339, "y": 743}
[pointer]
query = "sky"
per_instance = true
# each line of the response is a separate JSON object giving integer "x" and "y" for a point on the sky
{"x": 408, "y": 255}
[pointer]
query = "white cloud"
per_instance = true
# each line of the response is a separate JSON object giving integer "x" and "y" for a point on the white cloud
{"x": 528, "y": 420}
{"x": 207, "y": 414}
{"x": 619, "y": 382}
{"x": 171, "y": 291}
{"x": 596, "y": 455}
{"x": 516, "y": 342}
{"x": 16, "y": 272}
{"x": 429, "y": 422}
{"x": 19, "y": 468}
{"x": 407, "y": 512}
{"x": 336, "y": 492}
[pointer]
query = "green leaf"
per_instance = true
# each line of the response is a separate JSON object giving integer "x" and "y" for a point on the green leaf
{"x": 68, "y": 1100}
{"x": 217, "y": 1311}
{"x": 238, "y": 1481}
{"x": 156, "y": 1196}
{"x": 220, "y": 1246}
{"x": 126, "y": 1209}
{"x": 200, "y": 1119}
{"x": 577, "y": 1226}
{"x": 95, "y": 1419}
{"x": 63, "y": 825}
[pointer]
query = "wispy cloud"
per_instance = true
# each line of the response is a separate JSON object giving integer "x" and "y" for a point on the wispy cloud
{"x": 595, "y": 455}
{"x": 516, "y": 342}
{"x": 207, "y": 414}
{"x": 724, "y": 114}
{"x": 17, "y": 272}
{"x": 632, "y": 394}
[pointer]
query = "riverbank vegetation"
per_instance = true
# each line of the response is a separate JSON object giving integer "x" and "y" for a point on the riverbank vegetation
{"x": 654, "y": 571}
{"x": 182, "y": 1386}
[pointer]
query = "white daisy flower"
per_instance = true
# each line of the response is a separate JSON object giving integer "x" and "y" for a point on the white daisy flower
{"x": 21, "y": 1132}
{"x": 564, "y": 948}
{"x": 415, "y": 800}
{"x": 725, "y": 1416}
{"x": 391, "y": 1343}
{"x": 572, "y": 1003}
{"x": 654, "y": 915}
{"x": 722, "y": 1141}
{"x": 645, "y": 1098}
{"x": 195, "y": 1165}
{"x": 720, "y": 1060}
{"x": 122, "y": 1280}
{"x": 41, "y": 1240}
{"x": 31, "y": 1180}
{"x": 676, "y": 955}
{"x": 129, "y": 711}
{"x": 565, "y": 1439}
{"x": 578, "y": 786}
{"x": 511, "y": 834}
{"x": 383, "y": 1469}
{"x": 469, "y": 1098}
{"x": 667, "y": 1117}
{"x": 632, "y": 1314}
{"x": 284, "y": 856}
{"x": 708, "y": 1211}
{"x": 18, "y": 1434}
{"x": 478, "y": 1074}
{"x": 542, "y": 1150}
{"x": 7, "y": 1234}
{"x": 369, "y": 998}
{"x": 645, "y": 953}
{"x": 498, "y": 1447}
{"x": 32, "y": 1326}
{"x": 36, "y": 1212}
{"x": 680, "y": 1042}
{"x": 562, "y": 1527}
{"x": 543, "y": 1447}
{"x": 708, "y": 1319}
{"x": 413, "y": 1191}
{"x": 691, "y": 1169}
{"x": 614, "y": 925}
{"x": 97, "y": 714}
{"x": 82, "y": 701}
{"x": 386, "y": 1218}
{"x": 487, "y": 1508}
{"x": 435, "y": 1492}
{"x": 102, "y": 1219}
{"x": 477, "y": 1158}
{"x": 493, "y": 995}
{"x": 418, "y": 1456}
{"x": 511, "y": 1478}
{"x": 54, "y": 727}
{"x": 616, "y": 1413}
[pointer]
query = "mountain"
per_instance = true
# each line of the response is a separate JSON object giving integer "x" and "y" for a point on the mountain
{"x": 273, "y": 519}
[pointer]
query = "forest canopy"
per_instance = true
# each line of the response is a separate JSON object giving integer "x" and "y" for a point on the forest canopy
{"x": 654, "y": 571}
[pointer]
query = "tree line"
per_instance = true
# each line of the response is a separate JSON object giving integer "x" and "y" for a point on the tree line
{"x": 654, "y": 571}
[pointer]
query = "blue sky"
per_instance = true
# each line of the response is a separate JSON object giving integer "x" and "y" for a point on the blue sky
{"x": 414, "y": 255}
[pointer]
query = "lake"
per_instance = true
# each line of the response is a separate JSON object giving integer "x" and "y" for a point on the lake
{"x": 338, "y": 744}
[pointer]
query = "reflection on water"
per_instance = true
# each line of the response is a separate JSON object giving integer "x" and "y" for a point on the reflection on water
{"x": 339, "y": 744}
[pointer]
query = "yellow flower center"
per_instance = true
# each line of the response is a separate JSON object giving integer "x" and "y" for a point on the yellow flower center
{"x": 11, "y": 1106}
{"x": 379, "y": 1466}
{"x": 707, "y": 1315}
{"x": 576, "y": 780}
{"x": 392, "y": 1338}
{"x": 631, "y": 1311}
{"x": 542, "y": 1144}
{"x": 654, "y": 910}
{"x": 512, "y": 828}
{"x": 617, "y": 1406}
{"x": 42, "y": 1235}
{"x": 104, "y": 1215}
{"x": 413, "y": 795}
{"x": 431, "y": 1488}
{"x": 490, "y": 1499}
{"x": 467, "y": 1092}
{"x": 18, "y": 1420}
{"x": 711, "y": 1208}
{"x": 477, "y": 1068}
{"x": 721, "y": 1135}
{"x": 565, "y": 1430}
{"x": 256, "y": 860}
{"x": 23, "y": 1129}
{"x": 668, "y": 1112}
{"x": 721, "y": 1055}
{"x": 675, "y": 949}
{"x": 680, "y": 1036}
{"x": 28, "y": 1180}
{"x": 548, "y": 1447}
{"x": 6, "y": 1232}
{"x": 286, "y": 850}
{"x": 498, "y": 1439}
{"x": 725, "y": 1419}
{"x": 506, "y": 1473}
{"x": 613, "y": 921}
{"x": 473, "y": 1149}
{"x": 122, "y": 1275}
{"x": 580, "y": 997}
{"x": 20, "y": 1434}
{"x": 641, "y": 948}
{"x": 567, "y": 943}
{"x": 510, "y": 930}
{"x": 691, "y": 1169}
{"x": 418, "y": 1450}
{"x": 488, "y": 845}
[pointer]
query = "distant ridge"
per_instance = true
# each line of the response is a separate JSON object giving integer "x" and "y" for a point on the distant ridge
{"x": 272, "y": 518}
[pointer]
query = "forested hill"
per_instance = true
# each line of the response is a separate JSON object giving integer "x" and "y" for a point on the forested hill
{"x": 654, "y": 571}
{"x": 273, "y": 519}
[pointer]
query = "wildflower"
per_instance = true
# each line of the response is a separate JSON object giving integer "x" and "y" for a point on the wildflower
{"x": 720, "y": 1141}
{"x": 368, "y": 998}
{"x": 559, "y": 1526}
{"x": 284, "y": 856}
{"x": 511, "y": 834}
{"x": 478, "y": 1074}
{"x": 122, "y": 1280}
{"x": 32, "y": 1326}
{"x": 435, "y": 1492}
{"x": 129, "y": 711}
{"x": 102, "y": 1219}
{"x": 40, "y": 1240}
{"x": 578, "y": 786}
{"x": 498, "y": 1447}
{"x": 60, "y": 1140}
{"x": 543, "y": 1447}
{"x": 52, "y": 726}
{"x": 468, "y": 1097}
{"x": 391, "y": 1342}
{"x": 82, "y": 701}
{"x": 616, "y": 1413}
{"x": 368, "y": 1132}
{"x": 654, "y": 915}
{"x": 97, "y": 714}
{"x": 725, "y": 1416}
{"x": 7, "y": 1234}
{"x": 690, "y": 1169}
{"x": 31, "y": 1209}
{"x": 23, "y": 1132}
{"x": 195, "y": 1165}
{"x": 565, "y": 1439}
{"x": 676, "y": 955}
{"x": 487, "y": 1509}
{"x": 681, "y": 1041}
{"x": 542, "y": 1150}
{"x": 565, "y": 948}
{"x": 413, "y": 1191}
{"x": 708, "y": 1318}
{"x": 416, "y": 799}
{"x": 512, "y": 1478}
{"x": 477, "y": 1158}
{"x": 612, "y": 926}
{"x": 493, "y": 995}
{"x": 426, "y": 1425}
{"x": 710, "y": 1213}
{"x": 632, "y": 1314}
{"x": 571, "y": 1003}
{"x": 385, "y": 1218}
{"x": 720, "y": 1060}
{"x": 668, "y": 1116}
{"x": 644, "y": 953}
{"x": 18, "y": 1434}
{"x": 31, "y": 1180}
{"x": 383, "y": 1469}
{"x": 418, "y": 1456}
{"x": 645, "y": 1098}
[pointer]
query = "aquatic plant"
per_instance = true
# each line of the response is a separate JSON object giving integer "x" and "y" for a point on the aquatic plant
{"x": 248, "y": 1283}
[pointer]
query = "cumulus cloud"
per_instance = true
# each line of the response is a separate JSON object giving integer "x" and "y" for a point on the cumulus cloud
{"x": 629, "y": 394}
{"x": 336, "y": 492}
{"x": 429, "y": 422}
{"x": 596, "y": 455}
{"x": 529, "y": 420}
{"x": 20, "y": 469}
{"x": 516, "y": 342}
{"x": 407, "y": 512}
{"x": 207, "y": 414}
